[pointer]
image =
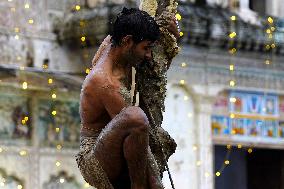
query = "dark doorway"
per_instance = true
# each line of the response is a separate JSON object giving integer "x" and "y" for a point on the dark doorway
{"x": 262, "y": 169}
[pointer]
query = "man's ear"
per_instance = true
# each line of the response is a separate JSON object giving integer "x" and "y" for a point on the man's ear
{"x": 127, "y": 40}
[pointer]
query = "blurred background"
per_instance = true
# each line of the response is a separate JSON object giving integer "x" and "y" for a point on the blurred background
{"x": 224, "y": 105}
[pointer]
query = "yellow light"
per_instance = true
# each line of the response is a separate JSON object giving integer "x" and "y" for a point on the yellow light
{"x": 19, "y": 186}
{"x": 77, "y": 7}
{"x": 53, "y": 96}
{"x": 232, "y": 116}
{"x": 182, "y": 82}
{"x": 232, "y": 67}
{"x": 178, "y": 16}
{"x": 207, "y": 174}
{"x": 268, "y": 31}
{"x": 17, "y": 30}
{"x": 27, "y": 6}
{"x": 22, "y": 68}
{"x": 250, "y": 150}
{"x": 17, "y": 37}
{"x": 87, "y": 71}
{"x": 62, "y": 180}
{"x": 23, "y": 122}
{"x": 232, "y": 35}
{"x": 233, "y": 50}
{"x": 53, "y": 112}
{"x": 198, "y": 163}
{"x": 270, "y": 20}
{"x": 44, "y": 66}
{"x": 189, "y": 114}
{"x": 273, "y": 45}
{"x": 31, "y": 21}
{"x": 233, "y": 99}
{"x": 232, "y": 83}
{"x": 270, "y": 36}
{"x": 183, "y": 64}
{"x": 57, "y": 129}
{"x": 233, "y": 132}
{"x": 2, "y": 184}
{"x": 185, "y": 98}
{"x": 1, "y": 150}
{"x": 26, "y": 118}
{"x": 218, "y": 174}
{"x": 233, "y": 18}
{"x": 86, "y": 185}
{"x": 267, "y": 62}
{"x": 83, "y": 39}
{"x": 229, "y": 146}
{"x": 272, "y": 28}
{"x": 267, "y": 47}
{"x": 239, "y": 146}
{"x": 50, "y": 81}
{"x": 58, "y": 146}
{"x": 25, "y": 85}
{"x": 57, "y": 163}
{"x": 180, "y": 34}
{"x": 194, "y": 148}
{"x": 227, "y": 162}
{"x": 23, "y": 152}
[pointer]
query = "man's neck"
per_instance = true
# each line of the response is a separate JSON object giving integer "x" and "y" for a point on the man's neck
{"x": 119, "y": 67}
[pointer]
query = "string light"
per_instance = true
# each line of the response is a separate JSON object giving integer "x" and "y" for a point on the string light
{"x": 185, "y": 98}
{"x": 232, "y": 83}
{"x": 77, "y": 7}
{"x": 25, "y": 85}
{"x": 233, "y": 99}
{"x": 19, "y": 186}
{"x": 50, "y": 81}
{"x": 17, "y": 30}
{"x": 62, "y": 180}
{"x": 183, "y": 64}
{"x": 57, "y": 163}
{"x": 233, "y": 18}
{"x": 198, "y": 163}
{"x": 53, "y": 96}
{"x": 270, "y": 20}
{"x": 23, "y": 152}
{"x": 232, "y": 67}
{"x": 53, "y": 112}
{"x": 58, "y": 147}
{"x": 250, "y": 150}
{"x": 17, "y": 37}
{"x": 88, "y": 71}
{"x": 178, "y": 16}
{"x": 227, "y": 162}
{"x": 182, "y": 82}
{"x": 31, "y": 21}
{"x": 83, "y": 38}
{"x": 27, "y": 6}
{"x": 232, "y": 35}
{"x": 218, "y": 174}
{"x": 1, "y": 150}
{"x": 232, "y": 116}
{"x": 239, "y": 146}
{"x": 57, "y": 129}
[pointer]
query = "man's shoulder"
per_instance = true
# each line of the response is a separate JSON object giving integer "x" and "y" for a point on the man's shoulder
{"x": 101, "y": 80}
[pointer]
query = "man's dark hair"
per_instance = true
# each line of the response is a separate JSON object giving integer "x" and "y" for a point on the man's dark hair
{"x": 134, "y": 22}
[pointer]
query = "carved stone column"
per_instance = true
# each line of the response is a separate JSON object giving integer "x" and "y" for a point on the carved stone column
{"x": 205, "y": 146}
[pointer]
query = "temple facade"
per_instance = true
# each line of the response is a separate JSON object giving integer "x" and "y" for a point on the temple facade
{"x": 225, "y": 94}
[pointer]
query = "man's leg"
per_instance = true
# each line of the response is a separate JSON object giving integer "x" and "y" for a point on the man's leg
{"x": 125, "y": 138}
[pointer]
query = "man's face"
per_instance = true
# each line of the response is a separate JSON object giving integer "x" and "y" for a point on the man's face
{"x": 140, "y": 52}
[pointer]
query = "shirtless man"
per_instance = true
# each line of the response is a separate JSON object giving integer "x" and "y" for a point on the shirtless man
{"x": 114, "y": 150}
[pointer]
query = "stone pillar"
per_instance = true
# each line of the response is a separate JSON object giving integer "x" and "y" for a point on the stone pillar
{"x": 205, "y": 144}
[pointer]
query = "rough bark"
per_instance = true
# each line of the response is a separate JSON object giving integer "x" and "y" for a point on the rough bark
{"x": 152, "y": 80}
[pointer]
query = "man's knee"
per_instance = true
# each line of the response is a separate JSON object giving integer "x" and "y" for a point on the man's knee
{"x": 136, "y": 117}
